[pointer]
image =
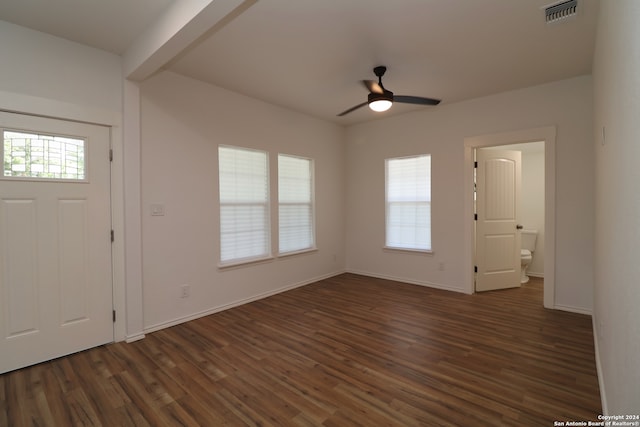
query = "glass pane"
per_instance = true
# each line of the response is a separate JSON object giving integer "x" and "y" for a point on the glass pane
{"x": 242, "y": 231}
{"x": 29, "y": 155}
{"x": 408, "y": 225}
{"x": 296, "y": 227}
{"x": 295, "y": 210}
{"x": 294, "y": 179}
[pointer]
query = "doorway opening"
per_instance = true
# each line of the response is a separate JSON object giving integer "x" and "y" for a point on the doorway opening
{"x": 532, "y": 139}
{"x": 525, "y": 230}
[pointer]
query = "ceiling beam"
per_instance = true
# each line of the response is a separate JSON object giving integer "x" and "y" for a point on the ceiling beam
{"x": 183, "y": 23}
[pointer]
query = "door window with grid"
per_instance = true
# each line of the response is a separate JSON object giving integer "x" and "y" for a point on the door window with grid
{"x": 36, "y": 156}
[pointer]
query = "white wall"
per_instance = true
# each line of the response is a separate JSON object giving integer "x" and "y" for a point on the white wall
{"x": 617, "y": 236}
{"x": 182, "y": 123}
{"x": 441, "y": 131}
{"x": 41, "y": 65}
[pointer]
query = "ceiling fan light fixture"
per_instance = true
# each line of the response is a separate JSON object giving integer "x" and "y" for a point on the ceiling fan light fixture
{"x": 380, "y": 105}
{"x": 380, "y": 101}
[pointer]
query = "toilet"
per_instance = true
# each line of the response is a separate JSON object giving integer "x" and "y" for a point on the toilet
{"x": 528, "y": 240}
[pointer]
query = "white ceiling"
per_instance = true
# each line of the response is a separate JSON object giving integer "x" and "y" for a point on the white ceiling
{"x": 110, "y": 25}
{"x": 310, "y": 55}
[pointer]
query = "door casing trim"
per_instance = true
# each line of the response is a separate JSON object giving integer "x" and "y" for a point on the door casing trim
{"x": 548, "y": 135}
{"x": 54, "y": 109}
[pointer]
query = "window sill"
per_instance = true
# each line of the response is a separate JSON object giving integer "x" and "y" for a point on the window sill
{"x": 410, "y": 251}
{"x": 243, "y": 262}
{"x": 300, "y": 252}
{"x": 246, "y": 262}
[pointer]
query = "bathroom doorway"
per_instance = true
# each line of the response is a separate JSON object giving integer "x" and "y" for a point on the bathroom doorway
{"x": 537, "y": 147}
{"x": 531, "y": 206}
{"x": 497, "y": 218}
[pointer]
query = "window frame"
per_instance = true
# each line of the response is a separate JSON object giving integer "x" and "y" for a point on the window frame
{"x": 311, "y": 204}
{"x": 266, "y": 205}
{"x": 388, "y": 203}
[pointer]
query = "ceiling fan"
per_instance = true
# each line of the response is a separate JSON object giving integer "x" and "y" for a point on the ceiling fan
{"x": 381, "y": 99}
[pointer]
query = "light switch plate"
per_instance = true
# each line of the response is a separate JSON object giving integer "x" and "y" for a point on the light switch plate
{"x": 157, "y": 210}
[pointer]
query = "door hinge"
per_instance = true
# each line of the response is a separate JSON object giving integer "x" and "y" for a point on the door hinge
{"x": 475, "y": 268}
{"x": 114, "y": 316}
{"x": 475, "y": 165}
{"x": 475, "y": 217}
{"x": 113, "y": 237}
{"x": 111, "y": 155}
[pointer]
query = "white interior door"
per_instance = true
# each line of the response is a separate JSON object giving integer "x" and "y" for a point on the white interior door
{"x": 55, "y": 244}
{"x": 498, "y": 181}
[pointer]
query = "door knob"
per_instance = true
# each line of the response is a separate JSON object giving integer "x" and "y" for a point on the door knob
{"x": 519, "y": 227}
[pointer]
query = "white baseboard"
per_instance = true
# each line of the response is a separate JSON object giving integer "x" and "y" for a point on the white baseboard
{"x": 409, "y": 281}
{"x": 571, "y": 309}
{"x": 237, "y": 303}
{"x": 603, "y": 396}
{"x": 134, "y": 338}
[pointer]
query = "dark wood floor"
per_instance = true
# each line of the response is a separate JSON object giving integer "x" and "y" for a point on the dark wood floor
{"x": 347, "y": 351}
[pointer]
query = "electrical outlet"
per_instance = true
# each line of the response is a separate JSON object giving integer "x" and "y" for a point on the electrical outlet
{"x": 185, "y": 291}
{"x": 441, "y": 266}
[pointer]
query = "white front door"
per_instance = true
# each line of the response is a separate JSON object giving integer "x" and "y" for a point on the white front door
{"x": 55, "y": 243}
{"x": 498, "y": 178}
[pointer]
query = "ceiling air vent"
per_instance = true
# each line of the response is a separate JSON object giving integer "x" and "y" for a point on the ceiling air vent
{"x": 560, "y": 11}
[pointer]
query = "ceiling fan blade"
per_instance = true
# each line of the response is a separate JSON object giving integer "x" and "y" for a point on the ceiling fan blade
{"x": 373, "y": 87}
{"x": 352, "y": 109}
{"x": 415, "y": 100}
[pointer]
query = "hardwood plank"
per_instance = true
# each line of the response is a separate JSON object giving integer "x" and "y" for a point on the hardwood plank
{"x": 349, "y": 350}
{"x": 55, "y": 397}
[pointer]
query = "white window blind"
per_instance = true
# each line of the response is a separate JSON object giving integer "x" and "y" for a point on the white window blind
{"x": 244, "y": 204}
{"x": 408, "y": 203}
{"x": 295, "y": 204}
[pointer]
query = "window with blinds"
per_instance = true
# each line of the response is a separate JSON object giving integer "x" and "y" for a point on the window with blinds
{"x": 244, "y": 204}
{"x": 408, "y": 203}
{"x": 295, "y": 204}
